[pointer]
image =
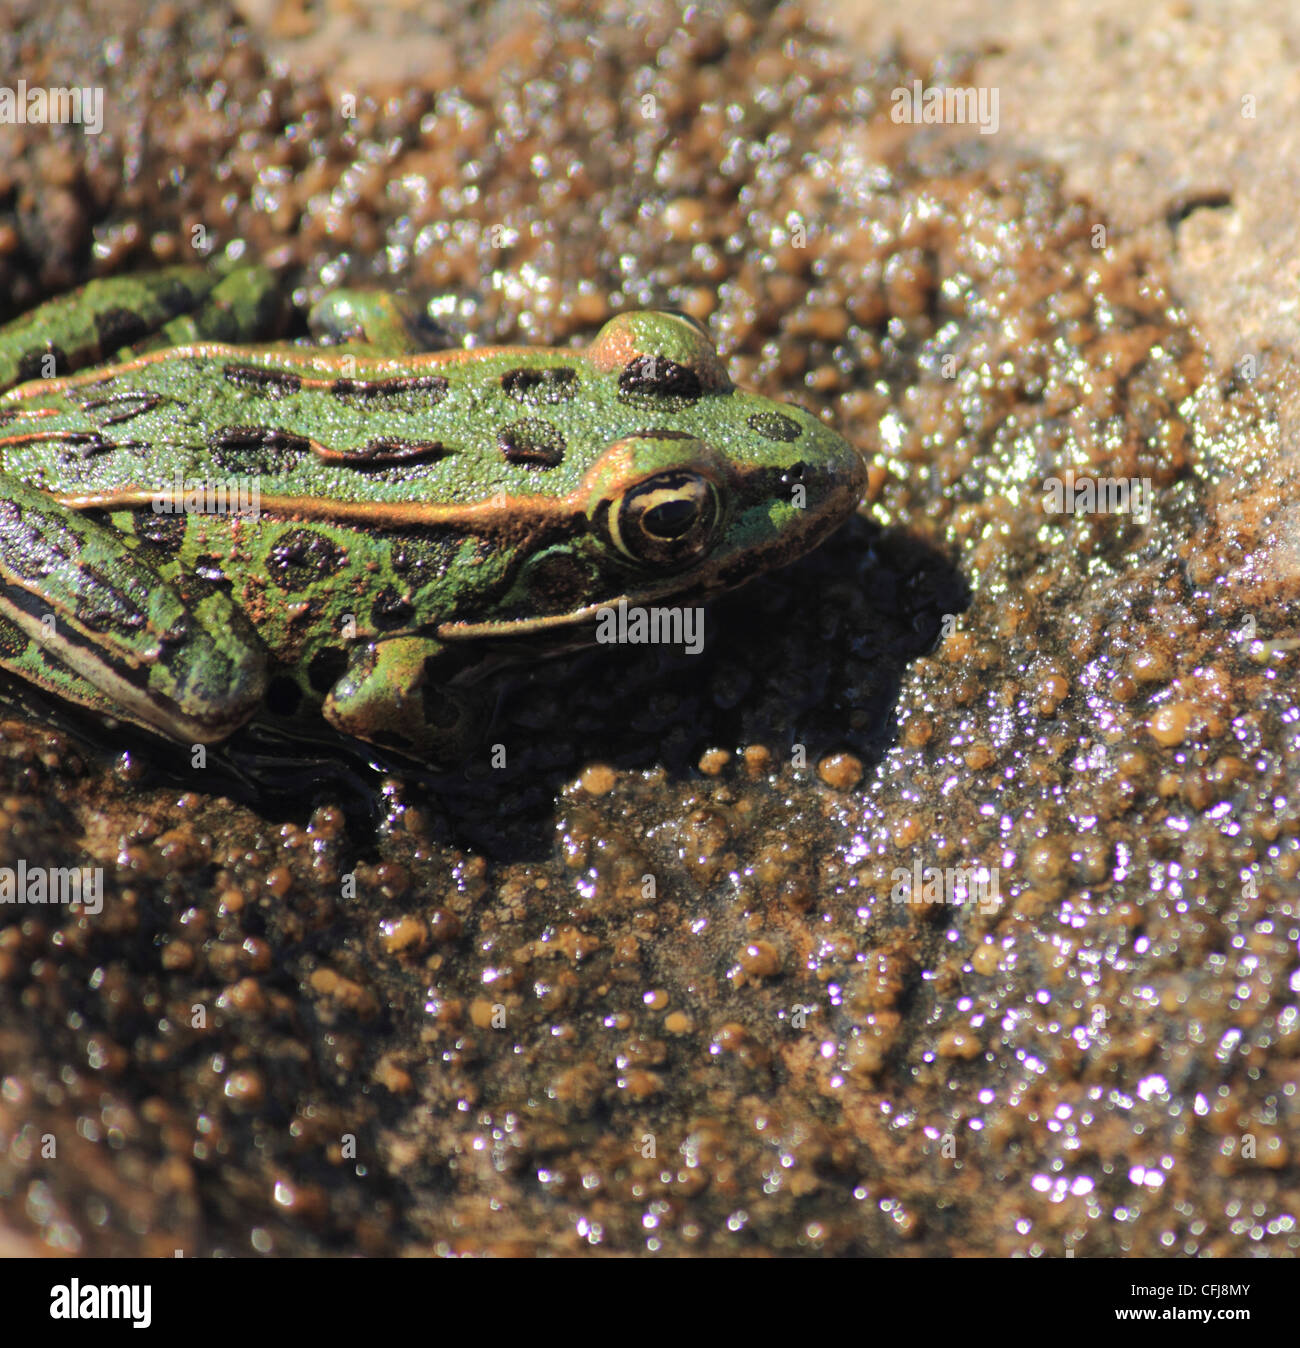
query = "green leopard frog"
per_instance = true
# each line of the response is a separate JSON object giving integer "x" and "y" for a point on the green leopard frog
{"x": 203, "y": 531}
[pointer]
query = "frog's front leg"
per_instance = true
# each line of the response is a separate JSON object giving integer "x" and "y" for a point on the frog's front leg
{"x": 390, "y": 696}
{"x": 85, "y": 615}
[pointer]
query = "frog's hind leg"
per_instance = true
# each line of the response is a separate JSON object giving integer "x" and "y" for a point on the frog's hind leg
{"x": 117, "y": 316}
{"x": 87, "y": 617}
{"x": 246, "y": 305}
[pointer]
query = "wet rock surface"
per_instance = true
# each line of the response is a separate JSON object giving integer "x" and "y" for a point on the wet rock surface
{"x": 649, "y": 987}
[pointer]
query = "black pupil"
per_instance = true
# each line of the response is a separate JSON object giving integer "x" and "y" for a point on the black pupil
{"x": 670, "y": 519}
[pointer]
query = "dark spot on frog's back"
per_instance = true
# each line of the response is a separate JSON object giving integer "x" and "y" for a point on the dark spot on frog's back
{"x": 256, "y": 449}
{"x": 655, "y": 379}
{"x": 173, "y": 298}
{"x": 166, "y": 532}
{"x": 774, "y": 426}
{"x": 410, "y": 393}
{"x": 302, "y": 556}
{"x": 196, "y": 587}
{"x": 423, "y": 559}
{"x": 551, "y": 384}
{"x": 99, "y": 606}
{"x": 83, "y": 445}
{"x": 386, "y": 451}
{"x": 266, "y": 383}
{"x": 116, "y": 328}
{"x": 533, "y": 441}
{"x": 390, "y": 611}
{"x": 115, "y": 408}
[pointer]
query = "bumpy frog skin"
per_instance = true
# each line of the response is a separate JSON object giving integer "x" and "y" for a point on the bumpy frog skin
{"x": 421, "y": 516}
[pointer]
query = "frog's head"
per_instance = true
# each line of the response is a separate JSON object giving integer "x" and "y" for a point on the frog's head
{"x": 712, "y": 486}
{"x": 675, "y": 513}
{"x": 719, "y": 484}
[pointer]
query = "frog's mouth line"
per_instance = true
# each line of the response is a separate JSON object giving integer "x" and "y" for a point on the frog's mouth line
{"x": 709, "y": 582}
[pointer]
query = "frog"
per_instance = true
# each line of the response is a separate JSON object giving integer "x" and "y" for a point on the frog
{"x": 205, "y": 525}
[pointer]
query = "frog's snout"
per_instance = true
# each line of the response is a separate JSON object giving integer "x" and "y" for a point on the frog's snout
{"x": 826, "y": 482}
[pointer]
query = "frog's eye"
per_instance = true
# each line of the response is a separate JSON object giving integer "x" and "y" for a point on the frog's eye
{"x": 667, "y": 520}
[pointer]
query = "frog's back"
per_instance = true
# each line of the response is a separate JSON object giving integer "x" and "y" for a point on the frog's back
{"x": 452, "y": 428}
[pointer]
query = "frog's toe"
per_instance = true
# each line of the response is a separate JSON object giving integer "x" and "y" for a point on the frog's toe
{"x": 214, "y": 690}
{"x": 390, "y": 698}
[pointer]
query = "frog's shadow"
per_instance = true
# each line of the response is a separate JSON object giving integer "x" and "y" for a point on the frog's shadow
{"x": 806, "y": 661}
